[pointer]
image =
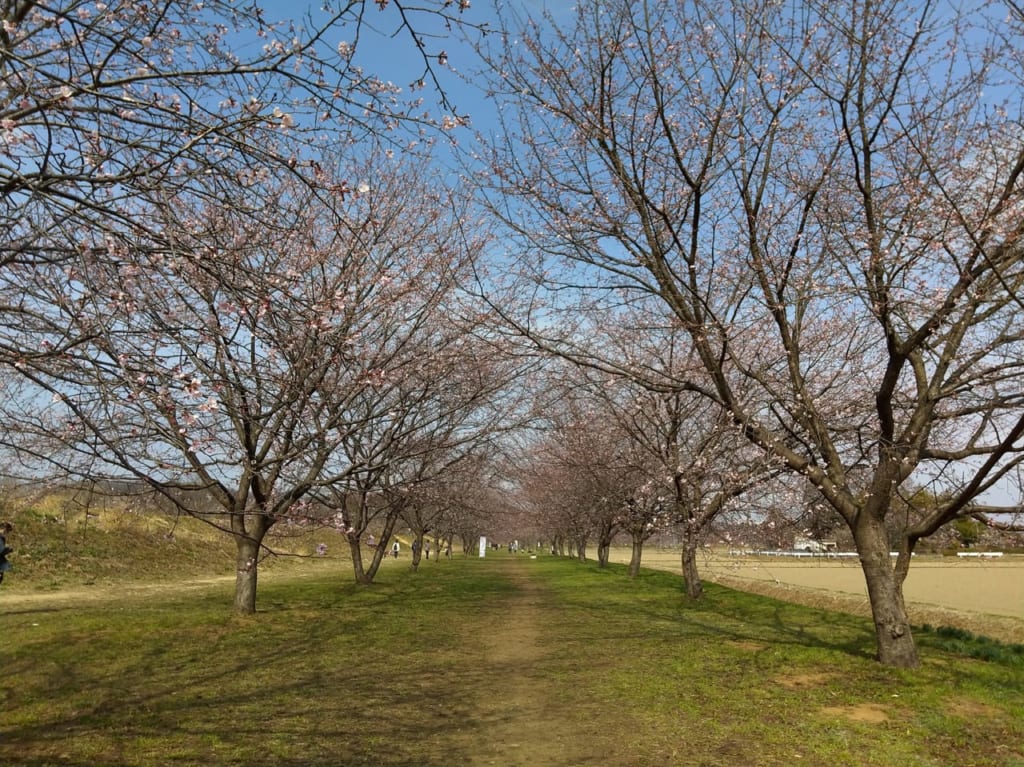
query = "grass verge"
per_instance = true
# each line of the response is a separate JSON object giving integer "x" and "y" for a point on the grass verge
{"x": 412, "y": 671}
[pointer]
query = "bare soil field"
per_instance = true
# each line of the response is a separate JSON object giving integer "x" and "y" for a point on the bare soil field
{"x": 982, "y": 595}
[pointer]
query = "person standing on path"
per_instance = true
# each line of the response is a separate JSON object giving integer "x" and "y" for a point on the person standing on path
{"x": 5, "y": 530}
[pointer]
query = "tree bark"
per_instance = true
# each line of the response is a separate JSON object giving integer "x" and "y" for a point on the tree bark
{"x": 694, "y": 585}
{"x": 417, "y": 550}
{"x": 581, "y": 549}
{"x": 247, "y": 562}
{"x": 894, "y": 640}
{"x": 363, "y": 576}
{"x": 603, "y": 552}
{"x": 634, "y": 560}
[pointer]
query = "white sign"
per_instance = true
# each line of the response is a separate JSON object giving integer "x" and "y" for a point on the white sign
{"x": 483, "y": 546}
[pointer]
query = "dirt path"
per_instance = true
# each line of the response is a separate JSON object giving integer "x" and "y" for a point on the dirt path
{"x": 23, "y": 601}
{"x": 519, "y": 718}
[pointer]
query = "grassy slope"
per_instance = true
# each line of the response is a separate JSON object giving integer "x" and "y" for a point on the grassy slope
{"x": 401, "y": 674}
{"x": 60, "y": 545}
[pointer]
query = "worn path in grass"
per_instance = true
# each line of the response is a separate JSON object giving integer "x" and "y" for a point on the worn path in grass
{"x": 520, "y": 718}
{"x": 510, "y": 698}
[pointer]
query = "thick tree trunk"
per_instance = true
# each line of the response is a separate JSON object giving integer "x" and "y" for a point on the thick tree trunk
{"x": 364, "y": 574}
{"x": 603, "y": 552}
{"x": 634, "y": 560}
{"x": 581, "y": 550}
{"x": 247, "y": 561}
{"x": 363, "y": 577}
{"x": 605, "y": 535}
{"x": 894, "y": 640}
{"x": 694, "y": 586}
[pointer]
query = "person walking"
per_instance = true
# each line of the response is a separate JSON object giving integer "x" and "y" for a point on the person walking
{"x": 5, "y": 531}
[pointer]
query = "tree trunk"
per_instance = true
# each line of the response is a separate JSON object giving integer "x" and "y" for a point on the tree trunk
{"x": 364, "y": 574}
{"x": 634, "y": 560}
{"x": 247, "y": 561}
{"x": 361, "y": 575}
{"x": 893, "y": 638}
{"x": 581, "y": 549}
{"x": 603, "y": 552}
{"x": 694, "y": 586}
{"x": 417, "y": 550}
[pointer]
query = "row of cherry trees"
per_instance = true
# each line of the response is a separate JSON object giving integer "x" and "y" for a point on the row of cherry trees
{"x": 319, "y": 357}
{"x": 224, "y": 274}
{"x": 776, "y": 239}
{"x": 619, "y": 458}
{"x": 824, "y": 199}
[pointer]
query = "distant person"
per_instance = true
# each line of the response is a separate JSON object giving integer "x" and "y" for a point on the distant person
{"x": 394, "y": 550}
{"x": 5, "y": 530}
{"x": 426, "y": 550}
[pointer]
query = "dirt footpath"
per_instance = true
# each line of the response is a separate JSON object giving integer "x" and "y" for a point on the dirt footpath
{"x": 519, "y": 720}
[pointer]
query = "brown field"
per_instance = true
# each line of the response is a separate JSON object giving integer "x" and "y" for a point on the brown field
{"x": 985, "y": 596}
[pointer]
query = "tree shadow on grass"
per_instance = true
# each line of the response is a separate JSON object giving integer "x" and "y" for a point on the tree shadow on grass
{"x": 659, "y": 599}
{"x": 320, "y": 680}
{"x": 175, "y": 708}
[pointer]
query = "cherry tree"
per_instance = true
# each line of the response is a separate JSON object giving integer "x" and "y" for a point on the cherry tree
{"x": 827, "y": 201}
{"x": 645, "y": 514}
{"x": 226, "y": 371}
{"x": 421, "y": 424}
{"x": 699, "y": 466}
{"x": 461, "y": 483}
{"x": 681, "y": 462}
{"x": 581, "y": 475}
{"x": 106, "y": 104}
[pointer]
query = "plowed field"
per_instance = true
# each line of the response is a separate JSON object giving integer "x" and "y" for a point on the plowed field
{"x": 983, "y": 595}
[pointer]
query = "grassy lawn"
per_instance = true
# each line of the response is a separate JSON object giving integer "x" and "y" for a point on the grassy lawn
{"x": 502, "y": 661}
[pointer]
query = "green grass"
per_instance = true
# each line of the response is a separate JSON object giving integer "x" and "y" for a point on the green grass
{"x": 425, "y": 668}
{"x": 756, "y": 681}
{"x": 400, "y": 674}
{"x": 972, "y": 645}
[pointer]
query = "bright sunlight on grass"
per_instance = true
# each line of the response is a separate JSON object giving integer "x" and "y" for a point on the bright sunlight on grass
{"x": 507, "y": 661}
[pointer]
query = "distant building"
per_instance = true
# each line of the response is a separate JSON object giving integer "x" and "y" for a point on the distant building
{"x": 801, "y": 543}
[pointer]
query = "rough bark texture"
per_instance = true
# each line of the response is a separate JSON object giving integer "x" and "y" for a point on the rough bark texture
{"x": 247, "y": 559}
{"x": 363, "y": 575}
{"x": 895, "y": 642}
{"x": 603, "y": 549}
{"x": 417, "y": 551}
{"x": 694, "y": 586}
{"x": 634, "y": 560}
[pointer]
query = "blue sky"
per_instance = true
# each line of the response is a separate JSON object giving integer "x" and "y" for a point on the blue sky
{"x": 387, "y": 51}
